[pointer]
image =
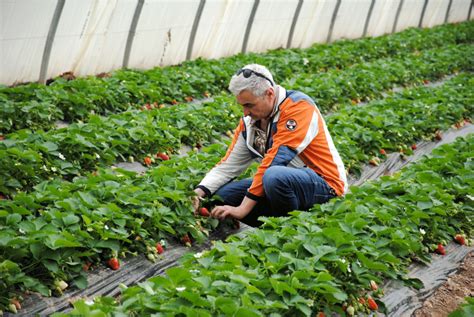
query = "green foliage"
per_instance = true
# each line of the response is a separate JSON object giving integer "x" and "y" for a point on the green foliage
{"x": 466, "y": 309}
{"x": 319, "y": 260}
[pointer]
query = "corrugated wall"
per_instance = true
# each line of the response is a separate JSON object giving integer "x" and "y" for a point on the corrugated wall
{"x": 41, "y": 39}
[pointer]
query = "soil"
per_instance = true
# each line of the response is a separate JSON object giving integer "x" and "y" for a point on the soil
{"x": 451, "y": 294}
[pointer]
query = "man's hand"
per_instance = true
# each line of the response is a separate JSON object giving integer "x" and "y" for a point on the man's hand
{"x": 196, "y": 201}
{"x": 222, "y": 212}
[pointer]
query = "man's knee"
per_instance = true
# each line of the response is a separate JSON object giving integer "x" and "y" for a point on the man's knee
{"x": 274, "y": 177}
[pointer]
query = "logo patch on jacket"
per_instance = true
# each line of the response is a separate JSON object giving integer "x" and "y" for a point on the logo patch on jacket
{"x": 291, "y": 125}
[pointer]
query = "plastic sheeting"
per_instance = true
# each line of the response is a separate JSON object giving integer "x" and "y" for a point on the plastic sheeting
{"x": 41, "y": 39}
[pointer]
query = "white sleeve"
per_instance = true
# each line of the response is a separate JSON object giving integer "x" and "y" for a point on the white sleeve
{"x": 237, "y": 159}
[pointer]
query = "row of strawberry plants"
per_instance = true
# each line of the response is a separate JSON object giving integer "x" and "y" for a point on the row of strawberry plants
{"x": 31, "y": 158}
{"x": 27, "y": 159}
{"x": 36, "y": 106}
{"x": 325, "y": 261}
{"x": 48, "y": 235}
{"x": 370, "y": 80}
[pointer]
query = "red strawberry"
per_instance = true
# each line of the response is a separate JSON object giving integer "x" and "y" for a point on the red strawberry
{"x": 148, "y": 106}
{"x": 440, "y": 249}
{"x": 174, "y": 102}
{"x": 382, "y": 151}
{"x": 147, "y": 161}
{"x": 438, "y": 136}
{"x": 162, "y": 156}
{"x": 186, "y": 240}
{"x": 372, "y": 304}
{"x": 159, "y": 248}
{"x": 321, "y": 314}
{"x": 113, "y": 263}
{"x": 413, "y": 147}
{"x": 2, "y": 137}
{"x": 426, "y": 81}
{"x": 86, "y": 266}
{"x": 373, "y": 285}
{"x": 204, "y": 212}
{"x": 460, "y": 239}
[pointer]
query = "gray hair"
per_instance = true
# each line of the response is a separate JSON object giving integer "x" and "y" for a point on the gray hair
{"x": 255, "y": 84}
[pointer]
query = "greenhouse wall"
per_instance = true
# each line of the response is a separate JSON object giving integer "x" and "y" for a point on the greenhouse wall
{"x": 41, "y": 39}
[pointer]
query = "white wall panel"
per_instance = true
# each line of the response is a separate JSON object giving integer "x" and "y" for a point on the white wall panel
{"x": 162, "y": 33}
{"x": 350, "y": 19}
{"x": 272, "y": 24}
{"x": 315, "y": 19}
{"x": 71, "y": 36}
{"x": 410, "y": 14}
{"x": 435, "y": 13}
{"x": 105, "y": 37}
{"x": 222, "y": 28}
{"x": 459, "y": 10}
{"x": 91, "y": 36}
{"x": 305, "y": 24}
{"x": 23, "y": 32}
{"x": 383, "y": 17}
{"x": 94, "y": 36}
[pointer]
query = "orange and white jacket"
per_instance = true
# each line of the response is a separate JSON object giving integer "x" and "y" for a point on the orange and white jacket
{"x": 297, "y": 137}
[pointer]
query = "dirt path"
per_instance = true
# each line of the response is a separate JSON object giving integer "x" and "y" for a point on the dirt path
{"x": 452, "y": 293}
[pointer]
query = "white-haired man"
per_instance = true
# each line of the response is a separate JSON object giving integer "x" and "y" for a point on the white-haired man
{"x": 285, "y": 132}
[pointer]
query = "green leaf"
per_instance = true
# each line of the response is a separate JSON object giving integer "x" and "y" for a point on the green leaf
{"x": 80, "y": 282}
{"x": 226, "y": 305}
{"x": 178, "y": 274}
{"x": 13, "y": 219}
{"x": 50, "y": 146}
{"x": 246, "y": 312}
{"x": 70, "y": 219}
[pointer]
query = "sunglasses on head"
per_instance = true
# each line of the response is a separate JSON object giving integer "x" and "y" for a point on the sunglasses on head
{"x": 248, "y": 72}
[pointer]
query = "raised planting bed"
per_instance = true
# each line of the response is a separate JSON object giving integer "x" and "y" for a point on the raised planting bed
{"x": 326, "y": 260}
{"x": 67, "y": 224}
{"x": 103, "y": 281}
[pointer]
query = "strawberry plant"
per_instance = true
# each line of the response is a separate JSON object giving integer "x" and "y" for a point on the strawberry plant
{"x": 114, "y": 211}
{"x": 324, "y": 260}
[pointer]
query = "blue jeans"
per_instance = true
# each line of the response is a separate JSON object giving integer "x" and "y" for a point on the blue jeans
{"x": 286, "y": 189}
